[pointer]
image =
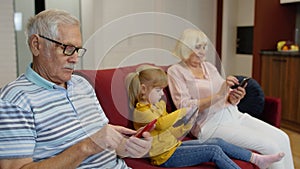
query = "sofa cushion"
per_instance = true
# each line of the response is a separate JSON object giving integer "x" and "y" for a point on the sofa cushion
{"x": 145, "y": 164}
{"x": 110, "y": 90}
{"x": 253, "y": 102}
{"x": 109, "y": 85}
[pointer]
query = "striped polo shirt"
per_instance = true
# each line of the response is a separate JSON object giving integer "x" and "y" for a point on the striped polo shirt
{"x": 40, "y": 119}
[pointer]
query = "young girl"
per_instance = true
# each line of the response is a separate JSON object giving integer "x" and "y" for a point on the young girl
{"x": 145, "y": 89}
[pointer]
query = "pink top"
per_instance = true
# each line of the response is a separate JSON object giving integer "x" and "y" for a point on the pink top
{"x": 186, "y": 90}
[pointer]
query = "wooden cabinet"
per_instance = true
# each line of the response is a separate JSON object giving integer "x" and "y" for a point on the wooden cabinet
{"x": 280, "y": 77}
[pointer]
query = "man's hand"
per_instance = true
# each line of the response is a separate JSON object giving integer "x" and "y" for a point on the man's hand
{"x": 106, "y": 138}
{"x": 133, "y": 146}
{"x": 138, "y": 147}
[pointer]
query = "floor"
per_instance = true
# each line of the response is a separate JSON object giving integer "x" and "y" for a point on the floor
{"x": 295, "y": 144}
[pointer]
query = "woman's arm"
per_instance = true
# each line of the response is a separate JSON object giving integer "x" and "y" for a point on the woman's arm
{"x": 181, "y": 96}
{"x": 206, "y": 102}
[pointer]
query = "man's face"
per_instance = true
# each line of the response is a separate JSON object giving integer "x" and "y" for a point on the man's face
{"x": 51, "y": 63}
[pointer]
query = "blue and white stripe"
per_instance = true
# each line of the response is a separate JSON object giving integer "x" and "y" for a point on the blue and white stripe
{"x": 44, "y": 119}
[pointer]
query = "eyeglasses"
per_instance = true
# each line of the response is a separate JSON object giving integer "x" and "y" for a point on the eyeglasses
{"x": 68, "y": 49}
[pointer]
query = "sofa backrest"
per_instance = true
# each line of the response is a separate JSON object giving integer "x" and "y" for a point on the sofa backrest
{"x": 109, "y": 85}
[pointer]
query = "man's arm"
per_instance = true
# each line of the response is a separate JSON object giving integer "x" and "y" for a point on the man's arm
{"x": 69, "y": 159}
{"x": 107, "y": 137}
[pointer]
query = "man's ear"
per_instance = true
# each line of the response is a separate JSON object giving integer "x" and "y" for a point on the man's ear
{"x": 34, "y": 44}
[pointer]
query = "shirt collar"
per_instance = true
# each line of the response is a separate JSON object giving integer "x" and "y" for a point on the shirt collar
{"x": 39, "y": 80}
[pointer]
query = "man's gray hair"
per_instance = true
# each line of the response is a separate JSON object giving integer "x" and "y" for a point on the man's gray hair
{"x": 46, "y": 23}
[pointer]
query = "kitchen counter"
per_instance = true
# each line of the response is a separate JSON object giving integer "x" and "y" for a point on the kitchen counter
{"x": 280, "y": 53}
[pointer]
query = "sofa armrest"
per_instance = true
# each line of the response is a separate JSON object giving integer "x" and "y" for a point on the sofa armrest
{"x": 272, "y": 111}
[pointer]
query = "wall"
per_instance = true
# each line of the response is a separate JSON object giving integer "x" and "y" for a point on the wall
{"x": 27, "y": 9}
{"x": 8, "y": 60}
{"x": 245, "y": 17}
{"x": 137, "y": 38}
{"x": 229, "y": 35}
{"x": 23, "y": 53}
{"x": 202, "y": 13}
{"x": 236, "y": 13}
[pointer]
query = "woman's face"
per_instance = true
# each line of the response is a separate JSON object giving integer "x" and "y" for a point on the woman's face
{"x": 198, "y": 55}
{"x": 200, "y": 50}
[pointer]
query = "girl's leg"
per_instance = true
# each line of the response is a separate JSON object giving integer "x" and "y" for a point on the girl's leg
{"x": 251, "y": 133}
{"x": 190, "y": 155}
{"x": 262, "y": 161}
{"x": 231, "y": 150}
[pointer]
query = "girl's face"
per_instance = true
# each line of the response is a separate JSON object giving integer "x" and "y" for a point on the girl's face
{"x": 155, "y": 95}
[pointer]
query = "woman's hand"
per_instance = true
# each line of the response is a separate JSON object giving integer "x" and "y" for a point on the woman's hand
{"x": 231, "y": 81}
{"x": 235, "y": 95}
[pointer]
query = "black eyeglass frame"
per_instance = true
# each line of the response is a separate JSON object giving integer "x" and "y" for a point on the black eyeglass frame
{"x": 80, "y": 53}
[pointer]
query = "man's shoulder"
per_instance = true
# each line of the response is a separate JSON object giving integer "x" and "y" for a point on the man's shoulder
{"x": 16, "y": 87}
{"x": 81, "y": 81}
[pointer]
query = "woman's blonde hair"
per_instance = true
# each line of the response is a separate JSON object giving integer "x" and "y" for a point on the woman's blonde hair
{"x": 148, "y": 75}
{"x": 188, "y": 41}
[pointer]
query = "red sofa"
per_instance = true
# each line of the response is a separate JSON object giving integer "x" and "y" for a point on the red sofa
{"x": 110, "y": 90}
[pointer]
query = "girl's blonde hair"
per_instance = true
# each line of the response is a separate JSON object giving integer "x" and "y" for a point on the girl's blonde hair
{"x": 148, "y": 75}
{"x": 188, "y": 41}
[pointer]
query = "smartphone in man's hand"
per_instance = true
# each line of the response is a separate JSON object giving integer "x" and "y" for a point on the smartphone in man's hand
{"x": 148, "y": 127}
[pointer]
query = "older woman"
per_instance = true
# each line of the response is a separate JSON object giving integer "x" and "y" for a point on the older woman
{"x": 195, "y": 81}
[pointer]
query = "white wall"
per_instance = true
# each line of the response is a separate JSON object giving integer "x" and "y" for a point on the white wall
{"x": 24, "y": 56}
{"x": 236, "y": 13}
{"x": 97, "y": 13}
{"x": 229, "y": 35}
{"x": 115, "y": 31}
{"x": 201, "y": 13}
{"x": 243, "y": 64}
{"x": 8, "y": 61}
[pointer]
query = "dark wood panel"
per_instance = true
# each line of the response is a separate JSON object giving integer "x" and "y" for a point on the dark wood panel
{"x": 272, "y": 22}
{"x": 280, "y": 78}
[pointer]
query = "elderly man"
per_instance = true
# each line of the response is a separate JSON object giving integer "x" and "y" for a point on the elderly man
{"x": 51, "y": 118}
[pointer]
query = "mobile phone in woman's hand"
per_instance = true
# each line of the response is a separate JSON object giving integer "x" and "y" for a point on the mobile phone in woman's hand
{"x": 242, "y": 84}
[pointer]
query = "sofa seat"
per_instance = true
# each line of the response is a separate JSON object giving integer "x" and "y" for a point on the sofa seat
{"x": 110, "y": 90}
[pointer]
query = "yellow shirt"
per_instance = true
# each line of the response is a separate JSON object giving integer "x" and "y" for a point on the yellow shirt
{"x": 165, "y": 136}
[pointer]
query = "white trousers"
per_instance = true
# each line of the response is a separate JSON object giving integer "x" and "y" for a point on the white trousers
{"x": 246, "y": 131}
